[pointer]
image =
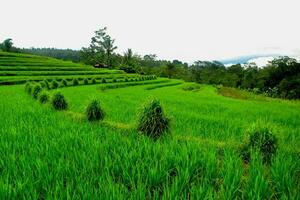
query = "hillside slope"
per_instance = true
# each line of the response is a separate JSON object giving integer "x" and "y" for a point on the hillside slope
{"x": 18, "y": 68}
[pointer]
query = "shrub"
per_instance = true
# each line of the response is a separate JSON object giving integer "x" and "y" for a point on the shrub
{"x": 191, "y": 87}
{"x": 152, "y": 121}
{"x": 262, "y": 139}
{"x": 103, "y": 80}
{"x": 75, "y": 81}
{"x": 94, "y": 112}
{"x": 85, "y": 81}
{"x": 44, "y": 97}
{"x": 64, "y": 82}
{"x": 59, "y": 102}
{"x": 114, "y": 80}
{"x": 94, "y": 81}
{"x": 54, "y": 85}
{"x": 43, "y": 85}
{"x": 46, "y": 83}
{"x": 36, "y": 90}
{"x": 28, "y": 87}
{"x": 126, "y": 79}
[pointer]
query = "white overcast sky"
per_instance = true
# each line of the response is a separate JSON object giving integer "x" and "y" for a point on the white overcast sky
{"x": 187, "y": 29}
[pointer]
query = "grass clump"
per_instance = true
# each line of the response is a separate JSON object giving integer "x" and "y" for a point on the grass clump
{"x": 261, "y": 139}
{"x": 64, "y": 82}
{"x": 85, "y": 81}
{"x": 59, "y": 102}
{"x": 43, "y": 84}
{"x": 44, "y": 97}
{"x": 152, "y": 121}
{"x": 46, "y": 84}
{"x": 94, "y": 112}
{"x": 54, "y": 84}
{"x": 36, "y": 90}
{"x": 28, "y": 87}
{"x": 191, "y": 87}
{"x": 103, "y": 80}
{"x": 75, "y": 81}
{"x": 94, "y": 81}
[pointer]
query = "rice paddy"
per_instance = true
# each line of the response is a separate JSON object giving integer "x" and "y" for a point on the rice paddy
{"x": 50, "y": 154}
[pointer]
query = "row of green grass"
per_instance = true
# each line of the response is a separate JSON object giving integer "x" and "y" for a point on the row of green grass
{"x": 186, "y": 165}
{"x": 47, "y": 68}
{"x": 130, "y": 84}
{"x": 52, "y": 73}
{"x": 13, "y": 59}
{"x": 109, "y": 82}
{"x": 13, "y": 80}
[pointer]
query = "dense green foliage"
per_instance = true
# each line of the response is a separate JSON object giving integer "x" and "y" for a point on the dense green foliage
{"x": 100, "y": 50}
{"x": 152, "y": 121}
{"x": 94, "y": 112}
{"x": 54, "y": 84}
{"x": 7, "y": 45}
{"x": 64, "y": 82}
{"x": 28, "y": 87}
{"x": 85, "y": 81}
{"x": 75, "y": 81}
{"x": 47, "y": 154}
{"x": 59, "y": 102}
{"x": 110, "y": 159}
{"x": 18, "y": 68}
{"x": 44, "y": 97}
{"x": 263, "y": 139}
{"x": 64, "y": 54}
{"x": 36, "y": 90}
{"x": 280, "y": 78}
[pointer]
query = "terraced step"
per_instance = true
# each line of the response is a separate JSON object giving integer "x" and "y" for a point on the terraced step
{"x": 19, "y": 68}
{"x": 14, "y": 80}
{"x": 41, "y": 64}
{"x": 163, "y": 85}
{"x": 45, "y": 68}
{"x": 55, "y": 73}
{"x": 130, "y": 84}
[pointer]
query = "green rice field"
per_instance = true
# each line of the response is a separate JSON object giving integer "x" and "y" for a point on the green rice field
{"x": 50, "y": 154}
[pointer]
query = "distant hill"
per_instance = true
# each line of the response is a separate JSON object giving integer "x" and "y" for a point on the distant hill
{"x": 247, "y": 58}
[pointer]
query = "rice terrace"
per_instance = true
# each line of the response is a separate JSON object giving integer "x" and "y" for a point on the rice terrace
{"x": 95, "y": 123}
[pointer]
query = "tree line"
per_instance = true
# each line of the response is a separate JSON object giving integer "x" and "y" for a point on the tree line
{"x": 280, "y": 78}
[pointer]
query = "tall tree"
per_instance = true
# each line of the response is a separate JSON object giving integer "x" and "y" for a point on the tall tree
{"x": 7, "y": 44}
{"x": 100, "y": 50}
{"x": 108, "y": 46}
{"x": 127, "y": 57}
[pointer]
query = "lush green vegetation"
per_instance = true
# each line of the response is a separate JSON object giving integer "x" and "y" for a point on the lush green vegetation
{"x": 280, "y": 78}
{"x": 192, "y": 142}
{"x": 18, "y": 68}
{"x": 215, "y": 146}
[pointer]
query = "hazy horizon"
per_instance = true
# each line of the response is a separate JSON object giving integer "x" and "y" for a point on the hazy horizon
{"x": 184, "y": 30}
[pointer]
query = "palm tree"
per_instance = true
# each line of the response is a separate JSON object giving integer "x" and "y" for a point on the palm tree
{"x": 108, "y": 45}
{"x": 127, "y": 58}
